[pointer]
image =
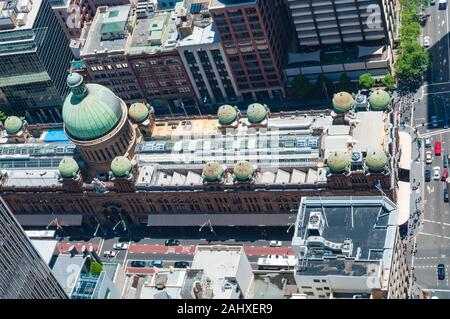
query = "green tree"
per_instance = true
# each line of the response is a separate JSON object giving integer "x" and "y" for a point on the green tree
{"x": 345, "y": 84}
{"x": 366, "y": 81}
{"x": 95, "y": 268}
{"x": 412, "y": 61}
{"x": 301, "y": 87}
{"x": 388, "y": 81}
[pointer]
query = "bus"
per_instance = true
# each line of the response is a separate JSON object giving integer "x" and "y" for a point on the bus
{"x": 276, "y": 262}
{"x": 40, "y": 234}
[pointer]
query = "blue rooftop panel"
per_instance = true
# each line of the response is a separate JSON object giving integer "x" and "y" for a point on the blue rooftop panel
{"x": 56, "y": 136}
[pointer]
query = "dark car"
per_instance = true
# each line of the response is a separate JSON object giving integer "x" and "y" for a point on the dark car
{"x": 172, "y": 242}
{"x": 433, "y": 2}
{"x": 156, "y": 263}
{"x": 427, "y": 175}
{"x": 441, "y": 271}
{"x": 445, "y": 161}
{"x": 181, "y": 264}
{"x": 445, "y": 195}
{"x": 138, "y": 263}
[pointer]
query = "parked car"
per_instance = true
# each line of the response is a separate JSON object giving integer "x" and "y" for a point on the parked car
{"x": 428, "y": 157}
{"x": 444, "y": 175}
{"x": 138, "y": 263}
{"x": 108, "y": 253}
{"x": 441, "y": 271}
{"x": 181, "y": 264}
{"x": 427, "y": 175}
{"x": 442, "y": 4}
{"x": 156, "y": 263}
{"x": 427, "y": 141}
{"x": 437, "y": 148}
{"x": 120, "y": 246}
{"x": 432, "y": 2}
{"x": 434, "y": 121}
{"x": 446, "y": 195}
{"x": 426, "y": 42}
{"x": 445, "y": 161}
{"x": 275, "y": 243}
{"x": 172, "y": 242}
{"x": 436, "y": 173}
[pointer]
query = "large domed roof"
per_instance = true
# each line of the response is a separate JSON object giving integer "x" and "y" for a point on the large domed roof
{"x": 227, "y": 114}
{"x": 256, "y": 113}
{"x": 343, "y": 102}
{"x": 379, "y": 100}
{"x": 376, "y": 160}
{"x": 90, "y": 111}
{"x": 138, "y": 112}
{"x": 121, "y": 166}
{"x": 68, "y": 167}
{"x": 13, "y": 125}
{"x": 243, "y": 170}
{"x": 212, "y": 171}
{"x": 337, "y": 161}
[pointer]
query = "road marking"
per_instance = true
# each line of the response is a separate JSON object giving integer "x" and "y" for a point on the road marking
{"x": 126, "y": 254}
{"x": 99, "y": 249}
{"x": 433, "y": 235}
{"x": 432, "y": 221}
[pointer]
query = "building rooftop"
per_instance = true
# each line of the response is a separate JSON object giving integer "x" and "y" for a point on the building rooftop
{"x": 272, "y": 285}
{"x": 164, "y": 284}
{"x": 67, "y": 269}
{"x": 27, "y": 13}
{"x": 200, "y": 36}
{"x": 46, "y": 248}
{"x": 108, "y": 30}
{"x": 345, "y": 236}
{"x": 229, "y": 3}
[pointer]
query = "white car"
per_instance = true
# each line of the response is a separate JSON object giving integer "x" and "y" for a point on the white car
{"x": 109, "y": 253}
{"x": 426, "y": 42}
{"x": 427, "y": 141}
{"x": 120, "y": 246}
{"x": 437, "y": 173}
{"x": 275, "y": 243}
{"x": 428, "y": 157}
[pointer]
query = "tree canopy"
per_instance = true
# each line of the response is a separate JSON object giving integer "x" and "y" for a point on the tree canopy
{"x": 366, "y": 81}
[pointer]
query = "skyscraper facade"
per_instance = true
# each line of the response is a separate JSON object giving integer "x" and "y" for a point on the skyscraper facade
{"x": 23, "y": 273}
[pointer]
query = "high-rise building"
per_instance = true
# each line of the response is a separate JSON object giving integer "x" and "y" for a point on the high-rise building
{"x": 203, "y": 56}
{"x": 23, "y": 273}
{"x": 254, "y": 35}
{"x": 342, "y": 36}
{"x": 34, "y": 59}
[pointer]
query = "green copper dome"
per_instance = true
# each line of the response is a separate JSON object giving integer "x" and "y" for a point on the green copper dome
{"x": 68, "y": 167}
{"x": 343, "y": 102}
{"x": 212, "y": 172}
{"x": 380, "y": 100}
{"x": 243, "y": 171}
{"x": 256, "y": 113}
{"x": 337, "y": 162}
{"x": 227, "y": 114}
{"x": 376, "y": 160}
{"x": 121, "y": 166}
{"x": 90, "y": 111}
{"x": 13, "y": 125}
{"x": 138, "y": 112}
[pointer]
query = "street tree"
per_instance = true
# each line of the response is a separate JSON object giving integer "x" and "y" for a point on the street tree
{"x": 366, "y": 81}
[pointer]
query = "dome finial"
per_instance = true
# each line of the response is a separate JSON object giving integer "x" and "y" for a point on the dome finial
{"x": 76, "y": 83}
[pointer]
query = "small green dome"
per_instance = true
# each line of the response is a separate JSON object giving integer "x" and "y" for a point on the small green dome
{"x": 337, "y": 162}
{"x": 68, "y": 167}
{"x": 376, "y": 160}
{"x": 227, "y": 114}
{"x": 90, "y": 111}
{"x": 121, "y": 166}
{"x": 256, "y": 113}
{"x": 212, "y": 172}
{"x": 138, "y": 112}
{"x": 343, "y": 102}
{"x": 13, "y": 125}
{"x": 380, "y": 100}
{"x": 243, "y": 171}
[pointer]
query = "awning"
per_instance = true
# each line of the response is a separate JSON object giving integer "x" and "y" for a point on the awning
{"x": 403, "y": 202}
{"x": 405, "y": 146}
{"x": 231, "y": 219}
{"x": 45, "y": 219}
{"x": 368, "y": 51}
